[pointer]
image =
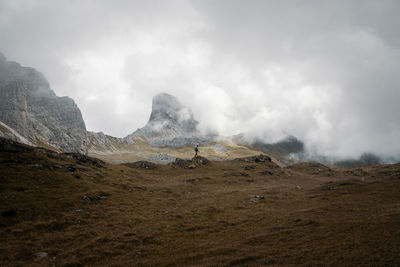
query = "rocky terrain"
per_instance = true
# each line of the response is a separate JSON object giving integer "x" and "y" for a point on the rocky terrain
{"x": 171, "y": 132}
{"x": 30, "y": 109}
{"x": 68, "y": 209}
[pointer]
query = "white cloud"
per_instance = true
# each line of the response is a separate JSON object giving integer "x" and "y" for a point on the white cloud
{"x": 323, "y": 71}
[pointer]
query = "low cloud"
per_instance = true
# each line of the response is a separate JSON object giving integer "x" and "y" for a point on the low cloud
{"x": 325, "y": 72}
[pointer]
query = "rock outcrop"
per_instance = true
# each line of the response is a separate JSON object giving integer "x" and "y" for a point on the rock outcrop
{"x": 9, "y": 133}
{"x": 190, "y": 163}
{"x": 171, "y": 124}
{"x": 170, "y": 116}
{"x": 103, "y": 143}
{"x": 29, "y": 107}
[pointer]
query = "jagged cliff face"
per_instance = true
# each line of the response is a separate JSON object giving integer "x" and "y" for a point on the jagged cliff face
{"x": 32, "y": 109}
{"x": 168, "y": 113}
{"x": 169, "y": 118}
{"x": 170, "y": 124}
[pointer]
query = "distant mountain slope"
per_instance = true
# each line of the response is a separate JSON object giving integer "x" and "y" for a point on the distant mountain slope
{"x": 32, "y": 109}
{"x": 281, "y": 149}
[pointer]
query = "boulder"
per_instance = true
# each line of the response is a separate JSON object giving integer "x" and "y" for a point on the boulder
{"x": 141, "y": 164}
{"x": 259, "y": 158}
{"x": 190, "y": 163}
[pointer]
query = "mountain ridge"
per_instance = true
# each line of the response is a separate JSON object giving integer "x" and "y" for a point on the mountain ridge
{"x": 31, "y": 108}
{"x": 32, "y": 113}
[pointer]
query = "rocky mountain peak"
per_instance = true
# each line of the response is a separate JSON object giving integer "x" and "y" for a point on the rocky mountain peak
{"x": 30, "y": 107}
{"x": 167, "y": 112}
{"x": 165, "y": 107}
{"x": 170, "y": 124}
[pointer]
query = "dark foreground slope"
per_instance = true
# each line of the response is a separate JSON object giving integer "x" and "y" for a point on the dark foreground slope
{"x": 66, "y": 209}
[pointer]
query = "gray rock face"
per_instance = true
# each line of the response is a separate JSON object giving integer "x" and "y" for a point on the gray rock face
{"x": 9, "y": 133}
{"x": 168, "y": 113}
{"x": 171, "y": 124}
{"x": 32, "y": 109}
{"x": 100, "y": 142}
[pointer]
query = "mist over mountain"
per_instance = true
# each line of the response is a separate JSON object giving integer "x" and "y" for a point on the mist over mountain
{"x": 167, "y": 109}
{"x": 199, "y": 133}
{"x": 169, "y": 118}
{"x": 325, "y": 72}
{"x": 170, "y": 124}
{"x": 32, "y": 109}
{"x": 32, "y": 113}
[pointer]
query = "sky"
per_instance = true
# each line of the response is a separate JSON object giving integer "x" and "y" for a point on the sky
{"x": 326, "y": 72}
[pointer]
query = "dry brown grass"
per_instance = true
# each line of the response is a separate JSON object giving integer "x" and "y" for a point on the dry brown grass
{"x": 141, "y": 149}
{"x": 201, "y": 217}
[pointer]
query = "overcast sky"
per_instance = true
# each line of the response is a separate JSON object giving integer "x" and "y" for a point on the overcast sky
{"x": 327, "y": 72}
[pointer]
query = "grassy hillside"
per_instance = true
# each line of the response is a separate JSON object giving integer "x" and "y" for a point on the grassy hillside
{"x": 141, "y": 150}
{"x": 71, "y": 210}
